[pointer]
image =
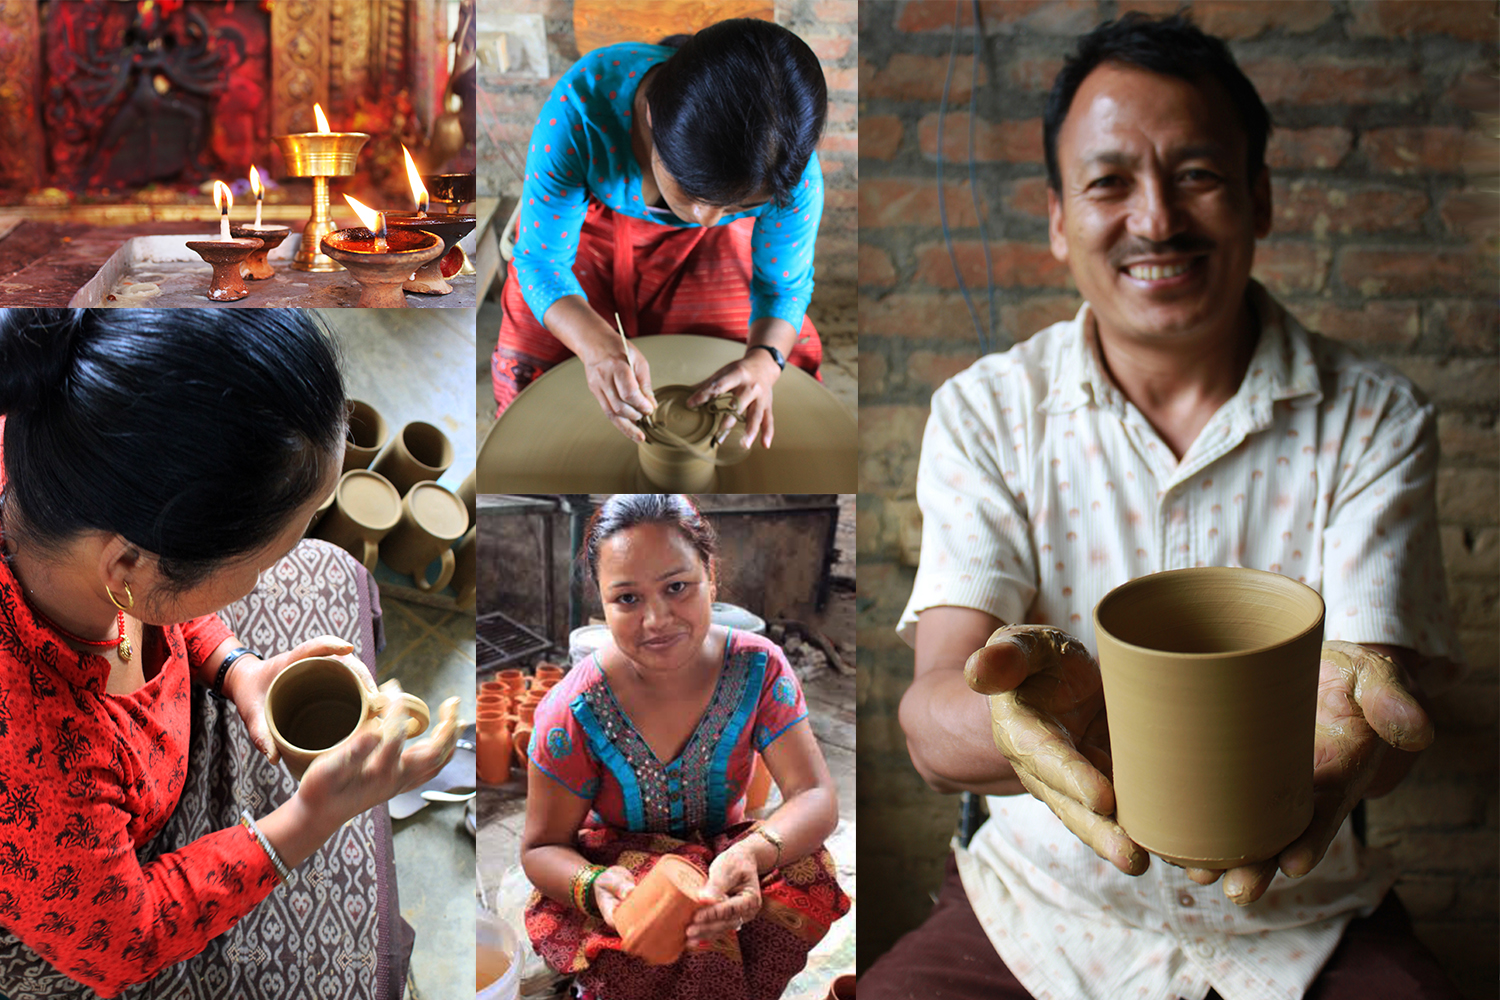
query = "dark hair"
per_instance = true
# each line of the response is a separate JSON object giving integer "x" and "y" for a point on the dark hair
{"x": 1172, "y": 46}
{"x": 737, "y": 111}
{"x": 628, "y": 510}
{"x": 194, "y": 434}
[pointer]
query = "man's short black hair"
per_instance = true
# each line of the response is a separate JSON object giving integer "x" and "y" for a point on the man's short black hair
{"x": 1172, "y": 46}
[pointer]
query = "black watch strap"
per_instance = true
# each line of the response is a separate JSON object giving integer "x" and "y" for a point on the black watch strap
{"x": 775, "y": 354}
{"x": 234, "y": 655}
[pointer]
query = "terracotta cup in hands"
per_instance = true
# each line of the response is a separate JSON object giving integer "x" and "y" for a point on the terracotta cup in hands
{"x": 367, "y": 434}
{"x": 316, "y": 704}
{"x": 1211, "y": 683}
{"x": 417, "y": 453}
{"x": 365, "y": 509}
{"x": 432, "y": 519}
{"x": 653, "y": 917}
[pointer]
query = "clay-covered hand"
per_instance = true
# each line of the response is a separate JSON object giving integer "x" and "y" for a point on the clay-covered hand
{"x": 250, "y": 677}
{"x": 733, "y": 894}
{"x": 620, "y": 380}
{"x": 1365, "y": 707}
{"x": 750, "y": 380}
{"x": 375, "y": 763}
{"x": 1047, "y": 718}
{"x": 610, "y": 890}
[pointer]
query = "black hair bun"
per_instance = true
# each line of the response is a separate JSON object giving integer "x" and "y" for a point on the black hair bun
{"x": 36, "y": 354}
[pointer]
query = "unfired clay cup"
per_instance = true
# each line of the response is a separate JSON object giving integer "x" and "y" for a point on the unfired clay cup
{"x": 367, "y": 435}
{"x": 365, "y": 509}
{"x": 469, "y": 497}
{"x": 1211, "y": 682}
{"x": 432, "y": 519}
{"x": 418, "y": 453}
{"x": 653, "y": 918}
{"x": 316, "y": 704}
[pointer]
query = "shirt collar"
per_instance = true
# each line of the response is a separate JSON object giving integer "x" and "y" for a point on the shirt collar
{"x": 1282, "y": 368}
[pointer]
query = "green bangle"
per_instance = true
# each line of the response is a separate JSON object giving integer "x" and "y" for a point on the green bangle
{"x": 590, "y": 904}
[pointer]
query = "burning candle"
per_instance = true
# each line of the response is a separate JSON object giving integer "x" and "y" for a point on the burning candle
{"x": 224, "y": 199}
{"x": 259, "y": 192}
{"x": 322, "y": 119}
{"x": 374, "y": 221}
{"x": 418, "y": 189}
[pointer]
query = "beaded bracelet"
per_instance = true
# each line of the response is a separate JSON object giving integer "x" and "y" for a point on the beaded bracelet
{"x": 248, "y": 822}
{"x": 229, "y": 661}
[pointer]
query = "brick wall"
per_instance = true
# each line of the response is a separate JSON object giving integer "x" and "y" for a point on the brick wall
{"x": 1383, "y": 237}
{"x": 507, "y": 110}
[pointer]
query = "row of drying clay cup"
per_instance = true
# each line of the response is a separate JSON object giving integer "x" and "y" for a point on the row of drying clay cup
{"x": 507, "y": 711}
{"x": 371, "y": 520}
{"x": 396, "y": 512}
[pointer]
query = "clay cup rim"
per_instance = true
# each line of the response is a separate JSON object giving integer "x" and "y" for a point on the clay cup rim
{"x": 1296, "y": 600}
{"x": 289, "y": 677}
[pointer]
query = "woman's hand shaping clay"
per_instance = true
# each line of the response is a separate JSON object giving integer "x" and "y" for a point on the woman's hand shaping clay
{"x": 620, "y": 380}
{"x": 1047, "y": 718}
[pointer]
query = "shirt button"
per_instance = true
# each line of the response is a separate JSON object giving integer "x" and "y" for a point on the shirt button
{"x": 1186, "y": 899}
{"x": 1205, "y": 949}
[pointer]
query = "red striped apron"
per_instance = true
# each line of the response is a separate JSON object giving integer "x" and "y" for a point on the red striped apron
{"x": 660, "y": 279}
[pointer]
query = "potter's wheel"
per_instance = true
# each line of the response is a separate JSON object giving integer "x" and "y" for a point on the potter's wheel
{"x": 555, "y": 439}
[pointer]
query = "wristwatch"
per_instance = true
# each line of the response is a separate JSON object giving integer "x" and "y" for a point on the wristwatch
{"x": 775, "y": 354}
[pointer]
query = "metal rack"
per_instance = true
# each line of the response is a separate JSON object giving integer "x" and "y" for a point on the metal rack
{"x": 501, "y": 640}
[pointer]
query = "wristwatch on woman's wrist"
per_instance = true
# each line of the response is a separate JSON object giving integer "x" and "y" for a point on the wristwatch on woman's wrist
{"x": 775, "y": 354}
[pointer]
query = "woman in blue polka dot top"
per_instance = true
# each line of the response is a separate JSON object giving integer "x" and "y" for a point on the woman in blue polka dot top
{"x": 679, "y": 188}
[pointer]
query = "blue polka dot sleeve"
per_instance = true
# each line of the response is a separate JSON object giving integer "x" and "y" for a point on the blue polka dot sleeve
{"x": 580, "y": 148}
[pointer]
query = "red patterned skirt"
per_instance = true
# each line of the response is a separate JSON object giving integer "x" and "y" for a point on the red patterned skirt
{"x": 799, "y": 902}
{"x": 660, "y": 279}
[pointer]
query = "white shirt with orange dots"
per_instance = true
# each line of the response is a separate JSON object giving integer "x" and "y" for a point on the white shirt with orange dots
{"x": 1042, "y": 487}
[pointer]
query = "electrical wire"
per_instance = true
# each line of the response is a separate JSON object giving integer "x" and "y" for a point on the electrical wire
{"x": 942, "y": 200}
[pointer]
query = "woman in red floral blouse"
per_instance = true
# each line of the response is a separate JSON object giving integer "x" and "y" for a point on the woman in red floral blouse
{"x": 154, "y": 463}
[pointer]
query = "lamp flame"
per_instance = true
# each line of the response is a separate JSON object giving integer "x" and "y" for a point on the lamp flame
{"x": 223, "y": 197}
{"x": 418, "y": 189}
{"x": 255, "y": 181}
{"x": 322, "y": 119}
{"x": 368, "y": 216}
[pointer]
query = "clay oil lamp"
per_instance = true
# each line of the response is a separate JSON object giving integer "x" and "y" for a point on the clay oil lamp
{"x": 447, "y": 226}
{"x": 380, "y": 259}
{"x": 271, "y": 236}
{"x": 319, "y": 155}
{"x": 451, "y": 190}
{"x": 225, "y": 254}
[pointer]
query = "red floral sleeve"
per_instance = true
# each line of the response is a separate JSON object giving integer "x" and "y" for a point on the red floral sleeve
{"x": 203, "y": 636}
{"x": 86, "y": 778}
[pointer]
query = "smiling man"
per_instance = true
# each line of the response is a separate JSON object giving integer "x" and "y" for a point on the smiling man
{"x": 1182, "y": 418}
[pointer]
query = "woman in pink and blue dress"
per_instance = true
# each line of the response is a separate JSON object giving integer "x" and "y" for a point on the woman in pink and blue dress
{"x": 645, "y": 749}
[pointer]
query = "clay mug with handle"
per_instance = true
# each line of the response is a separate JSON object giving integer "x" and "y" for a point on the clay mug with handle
{"x": 316, "y": 704}
{"x": 432, "y": 519}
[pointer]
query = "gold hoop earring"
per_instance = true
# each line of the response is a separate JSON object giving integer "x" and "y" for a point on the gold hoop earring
{"x": 129, "y": 599}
